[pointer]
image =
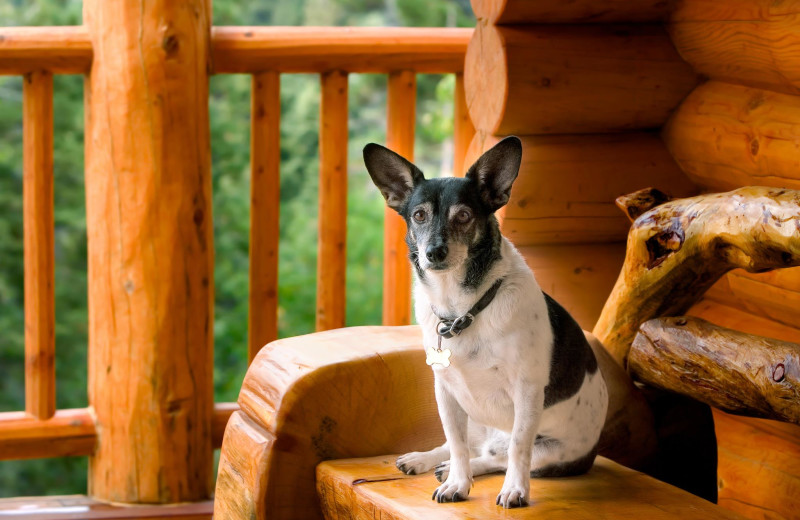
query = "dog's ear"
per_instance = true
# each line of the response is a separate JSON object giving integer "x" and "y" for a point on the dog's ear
{"x": 496, "y": 170}
{"x": 392, "y": 174}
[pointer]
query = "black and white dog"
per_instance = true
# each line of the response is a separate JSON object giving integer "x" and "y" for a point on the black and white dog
{"x": 504, "y": 354}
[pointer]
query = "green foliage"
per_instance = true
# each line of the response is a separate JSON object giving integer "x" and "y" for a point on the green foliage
{"x": 229, "y": 105}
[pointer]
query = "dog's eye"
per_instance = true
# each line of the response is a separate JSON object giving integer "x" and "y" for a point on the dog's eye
{"x": 420, "y": 215}
{"x": 463, "y": 216}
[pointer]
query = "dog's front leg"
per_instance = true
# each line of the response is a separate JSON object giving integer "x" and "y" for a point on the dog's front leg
{"x": 454, "y": 420}
{"x": 528, "y": 407}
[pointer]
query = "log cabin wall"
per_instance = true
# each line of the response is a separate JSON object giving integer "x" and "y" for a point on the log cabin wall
{"x": 617, "y": 95}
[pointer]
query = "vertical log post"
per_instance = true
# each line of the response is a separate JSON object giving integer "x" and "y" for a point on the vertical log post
{"x": 265, "y": 199}
{"x": 463, "y": 129}
{"x": 37, "y": 120}
{"x": 401, "y": 119}
{"x": 150, "y": 250}
{"x": 331, "y": 259}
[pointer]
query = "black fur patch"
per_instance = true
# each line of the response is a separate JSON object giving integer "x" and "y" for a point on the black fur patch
{"x": 572, "y": 356}
{"x": 483, "y": 255}
{"x": 567, "y": 469}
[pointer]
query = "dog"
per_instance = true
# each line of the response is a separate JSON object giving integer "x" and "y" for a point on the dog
{"x": 517, "y": 386}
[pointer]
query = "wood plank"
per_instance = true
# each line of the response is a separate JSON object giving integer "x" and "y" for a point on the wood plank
{"x": 80, "y": 507}
{"x": 67, "y": 433}
{"x": 265, "y": 200}
{"x": 567, "y": 185}
{"x": 463, "y": 129}
{"x": 373, "y": 488}
{"x": 759, "y": 466}
{"x": 40, "y": 323}
{"x": 150, "y": 250}
{"x": 507, "y": 12}
{"x": 60, "y": 50}
{"x": 724, "y": 136}
{"x": 353, "y": 49}
{"x": 401, "y": 120}
{"x": 567, "y": 79}
{"x": 331, "y": 256}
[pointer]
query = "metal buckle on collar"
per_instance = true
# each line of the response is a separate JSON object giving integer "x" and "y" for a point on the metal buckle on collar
{"x": 461, "y": 323}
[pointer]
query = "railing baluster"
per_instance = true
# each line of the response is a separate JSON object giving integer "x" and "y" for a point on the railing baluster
{"x": 265, "y": 198}
{"x": 463, "y": 130}
{"x": 37, "y": 117}
{"x": 401, "y": 118}
{"x": 331, "y": 259}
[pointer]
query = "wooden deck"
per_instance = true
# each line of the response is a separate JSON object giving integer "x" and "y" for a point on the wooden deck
{"x": 80, "y": 507}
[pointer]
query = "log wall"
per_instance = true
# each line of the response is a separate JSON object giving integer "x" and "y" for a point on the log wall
{"x": 555, "y": 72}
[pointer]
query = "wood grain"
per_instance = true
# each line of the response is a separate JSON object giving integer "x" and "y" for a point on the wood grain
{"x": 67, "y": 433}
{"x": 401, "y": 121}
{"x": 39, "y": 245}
{"x": 79, "y": 507}
{"x": 725, "y": 136}
{"x": 567, "y": 185}
{"x": 372, "y": 488}
{"x": 579, "y": 276}
{"x": 150, "y": 250}
{"x": 677, "y": 250}
{"x": 733, "y": 371}
{"x": 265, "y": 200}
{"x": 332, "y": 240}
{"x": 59, "y": 50}
{"x": 353, "y": 49}
{"x": 312, "y": 398}
{"x": 557, "y": 79}
{"x": 219, "y": 420}
{"x": 507, "y": 12}
{"x": 463, "y": 129}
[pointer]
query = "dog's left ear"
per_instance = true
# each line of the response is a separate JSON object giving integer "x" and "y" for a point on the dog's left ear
{"x": 392, "y": 174}
{"x": 496, "y": 170}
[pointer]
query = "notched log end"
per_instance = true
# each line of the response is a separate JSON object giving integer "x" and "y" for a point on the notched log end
{"x": 636, "y": 203}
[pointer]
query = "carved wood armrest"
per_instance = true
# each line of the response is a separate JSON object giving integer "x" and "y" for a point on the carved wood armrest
{"x": 353, "y": 392}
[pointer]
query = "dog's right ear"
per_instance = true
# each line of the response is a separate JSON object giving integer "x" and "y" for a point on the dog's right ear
{"x": 392, "y": 174}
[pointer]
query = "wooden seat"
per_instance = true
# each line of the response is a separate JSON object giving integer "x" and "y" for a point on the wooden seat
{"x": 373, "y": 488}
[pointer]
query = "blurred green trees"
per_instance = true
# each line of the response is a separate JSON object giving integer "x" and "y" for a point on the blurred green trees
{"x": 229, "y": 108}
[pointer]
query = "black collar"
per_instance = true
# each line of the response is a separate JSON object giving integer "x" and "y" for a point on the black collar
{"x": 447, "y": 328}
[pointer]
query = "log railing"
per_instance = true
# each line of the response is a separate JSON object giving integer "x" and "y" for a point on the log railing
{"x": 264, "y": 52}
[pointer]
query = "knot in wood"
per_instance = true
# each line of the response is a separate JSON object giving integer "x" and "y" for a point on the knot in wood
{"x": 778, "y": 373}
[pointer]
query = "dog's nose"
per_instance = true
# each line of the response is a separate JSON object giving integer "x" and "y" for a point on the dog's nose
{"x": 436, "y": 253}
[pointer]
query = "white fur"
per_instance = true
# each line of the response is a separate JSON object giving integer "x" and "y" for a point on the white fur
{"x": 499, "y": 368}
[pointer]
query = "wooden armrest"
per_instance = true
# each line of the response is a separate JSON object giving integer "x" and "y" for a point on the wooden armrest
{"x": 353, "y": 392}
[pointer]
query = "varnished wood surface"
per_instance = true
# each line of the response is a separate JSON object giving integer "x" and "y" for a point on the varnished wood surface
{"x": 265, "y": 200}
{"x": 352, "y": 49}
{"x": 677, "y": 250}
{"x": 150, "y": 250}
{"x": 79, "y": 507}
{"x": 730, "y": 370}
{"x": 373, "y": 488}
{"x": 401, "y": 120}
{"x": 60, "y": 50}
{"x": 557, "y": 79}
{"x": 567, "y": 185}
{"x": 332, "y": 216}
{"x": 67, "y": 433}
{"x": 350, "y": 392}
{"x": 725, "y": 136}
{"x": 39, "y": 244}
{"x": 463, "y": 129}
{"x": 506, "y": 12}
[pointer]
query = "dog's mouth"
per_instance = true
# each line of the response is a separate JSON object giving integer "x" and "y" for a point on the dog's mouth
{"x": 438, "y": 266}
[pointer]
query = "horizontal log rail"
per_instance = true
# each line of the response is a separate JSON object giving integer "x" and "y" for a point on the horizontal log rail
{"x": 72, "y": 432}
{"x": 68, "y": 49}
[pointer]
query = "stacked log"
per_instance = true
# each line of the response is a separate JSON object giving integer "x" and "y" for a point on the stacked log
{"x": 584, "y": 89}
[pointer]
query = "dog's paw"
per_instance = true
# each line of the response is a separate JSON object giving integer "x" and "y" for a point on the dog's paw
{"x": 513, "y": 495}
{"x": 442, "y": 471}
{"x": 452, "y": 490}
{"x": 415, "y": 463}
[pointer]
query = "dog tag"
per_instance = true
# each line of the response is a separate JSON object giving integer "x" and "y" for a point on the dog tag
{"x": 438, "y": 357}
